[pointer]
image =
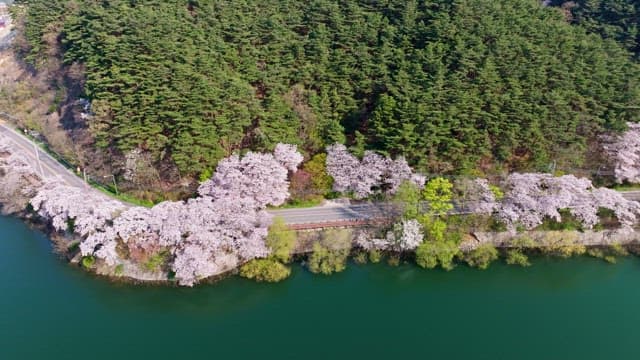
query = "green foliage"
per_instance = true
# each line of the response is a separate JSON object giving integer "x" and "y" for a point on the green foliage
{"x": 360, "y": 257}
{"x": 482, "y": 256}
{"x": 608, "y": 253}
{"x": 88, "y": 262}
{"x": 561, "y": 244}
{"x": 205, "y": 175}
{"x": 281, "y": 240}
{"x": 192, "y": 81}
{"x": 157, "y": 261}
{"x": 317, "y": 169}
{"x": 73, "y": 247}
{"x": 375, "y": 256}
{"x": 393, "y": 260}
{"x": 497, "y": 192}
{"x": 438, "y": 193}
{"x": 119, "y": 270}
{"x": 568, "y": 223}
{"x": 433, "y": 253}
{"x": 269, "y": 270}
{"x": 71, "y": 225}
{"x": 327, "y": 261}
{"x": 517, "y": 257}
{"x": 435, "y": 230}
{"x": 408, "y": 197}
{"x": 612, "y": 19}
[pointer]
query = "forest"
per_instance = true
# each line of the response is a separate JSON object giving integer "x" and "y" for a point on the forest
{"x": 455, "y": 87}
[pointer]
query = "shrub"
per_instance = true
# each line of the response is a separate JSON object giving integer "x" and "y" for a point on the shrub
{"x": 375, "y": 256}
{"x": 608, "y": 253}
{"x": 562, "y": 244}
{"x": 517, "y": 257}
{"x": 73, "y": 247}
{"x": 360, "y": 257}
{"x": 281, "y": 240}
{"x": 119, "y": 270}
{"x": 482, "y": 256}
{"x": 88, "y": 262}
{"x": 327, "y": 261}
{"x": 433, "y": 253}
{"x": 157, "y": 260}
{"x": 269, "y": 270}
{"x": 394, "y": 260}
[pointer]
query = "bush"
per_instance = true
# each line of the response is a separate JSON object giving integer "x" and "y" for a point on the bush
{"x": 281, "y": 240}
{"x": 482, "y": 256}
{"x": 562, "y": 244}
{"x": 157, "y": 260}
{"x": 517, "y": 257}
{"x": 433, "y": 253}
{"x": 119, "y": 270}
{"x": 88, "y": 262}
{"x": 608, "y": 253}
{"x": 394, "y": 260}
{"x": 360, "y": 257}
{"x": 375, "y": 256}
{"x": 568, "y": 223}
{"x": 327, "y": 261}
{"x": 73, "y": 247}
{"x": 269, "y": 270}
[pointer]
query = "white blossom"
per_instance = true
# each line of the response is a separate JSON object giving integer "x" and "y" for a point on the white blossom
{"x": 624, "y": 153}
{"x": 288, "y": 156}
{"x": 532, "y": 197}
{"x": 409, "y": 236}
{"x": 257, "y": 176}
{"x": 373, "y": 173}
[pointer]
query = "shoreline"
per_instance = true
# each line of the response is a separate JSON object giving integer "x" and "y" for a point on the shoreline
{"x": 15, "y": 201}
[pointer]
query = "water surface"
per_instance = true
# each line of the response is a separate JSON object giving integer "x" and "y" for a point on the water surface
{"x": 570, "y": 309}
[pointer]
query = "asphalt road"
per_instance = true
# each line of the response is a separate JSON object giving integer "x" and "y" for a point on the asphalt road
{"x": 50, "y": 168}
{"x": 335, "y": 213}
{"x": 45, "y": 165}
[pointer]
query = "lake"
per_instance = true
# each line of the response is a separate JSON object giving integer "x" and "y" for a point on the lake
{"x": 557, "y": 309}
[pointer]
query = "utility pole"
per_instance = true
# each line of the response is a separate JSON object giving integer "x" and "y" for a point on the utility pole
{"x": 115, "y": 184}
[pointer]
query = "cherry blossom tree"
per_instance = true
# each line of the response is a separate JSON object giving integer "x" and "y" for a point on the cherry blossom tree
{"x": 408, "y": 235}
{"x": 373, "y": 173}
{"x": 342, "y": 166}
{"x": 532, "y": 197}
{"x": 478, "y": 196}
{"x": 624, "y": 153}
{"x": 18, "y": 178}
{"x": 261, "y": 177}
{"x": 224, "y": 227}
{"x": 288, "y": 156}
{"x": 86, "y": 210}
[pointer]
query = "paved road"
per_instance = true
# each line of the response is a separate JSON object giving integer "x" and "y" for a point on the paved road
{"x": 317, "y": 215}
{"x": 335, "y": 213}
{"x": 45, "y": 165}
{"x": 366, "y": 211}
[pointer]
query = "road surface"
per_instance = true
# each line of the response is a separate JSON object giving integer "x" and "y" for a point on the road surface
{"x": 315, "y": 217}
{"x": 45, "y": 165}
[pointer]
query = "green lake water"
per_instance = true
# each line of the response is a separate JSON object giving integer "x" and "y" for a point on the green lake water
{"x": 557, "y": 309}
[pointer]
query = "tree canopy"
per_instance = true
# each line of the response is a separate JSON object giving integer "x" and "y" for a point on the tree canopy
{"x": 612, "y": 19}
{"x": 449, "y": 85}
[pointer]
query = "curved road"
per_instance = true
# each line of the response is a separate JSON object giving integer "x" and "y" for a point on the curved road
{"x": 46, "y": 166}
{"x": 331, "y": 215}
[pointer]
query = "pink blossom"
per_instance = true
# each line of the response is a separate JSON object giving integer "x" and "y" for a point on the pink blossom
{"x": 288, "y": 156}
{"x": 373, "y": 173}
{"x": 624, "y": 153}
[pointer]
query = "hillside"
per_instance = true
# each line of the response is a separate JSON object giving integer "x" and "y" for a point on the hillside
{"x": 612, "y": 19}
{"x": 177, "y": 85}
